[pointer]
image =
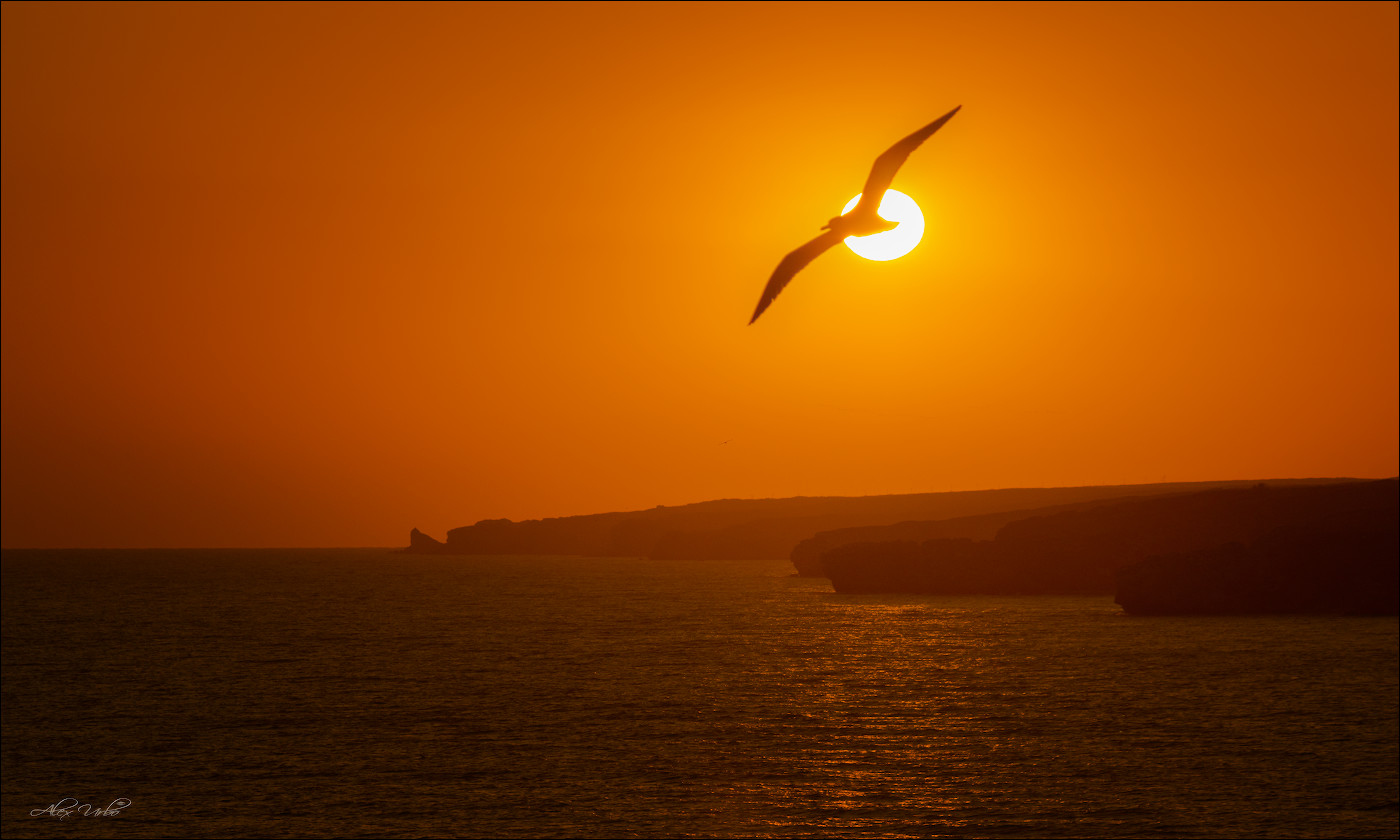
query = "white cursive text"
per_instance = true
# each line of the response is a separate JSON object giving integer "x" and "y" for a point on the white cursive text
{"x": 65, "y": 808}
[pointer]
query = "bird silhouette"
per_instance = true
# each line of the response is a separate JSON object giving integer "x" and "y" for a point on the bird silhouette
{"x": 863, "y": 220}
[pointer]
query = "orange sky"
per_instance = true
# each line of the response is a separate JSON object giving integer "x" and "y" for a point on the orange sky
{"x": 315, "y": 274}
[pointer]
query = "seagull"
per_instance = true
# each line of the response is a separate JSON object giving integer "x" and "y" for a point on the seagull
{"x": 863, "y": 220}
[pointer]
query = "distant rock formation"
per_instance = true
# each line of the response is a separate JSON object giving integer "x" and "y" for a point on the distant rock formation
{"x": 807, "y": 555}
{"x": 421, "y": 543}
{"x": 758, "y": 528}
{"x": 1351, "y": 572}
{"x": 1081, "y": 551}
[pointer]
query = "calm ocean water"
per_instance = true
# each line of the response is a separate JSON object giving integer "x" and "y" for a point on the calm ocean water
{"x": 309, "y": 693}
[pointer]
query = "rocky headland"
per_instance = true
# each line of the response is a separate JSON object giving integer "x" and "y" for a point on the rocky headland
{"x": 1292, "y": 570}
{"x": 1264, "y": 548}
{"x": 773, "y": 528}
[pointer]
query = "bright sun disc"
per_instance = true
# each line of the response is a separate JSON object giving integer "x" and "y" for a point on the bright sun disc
{"x": 894, "y": 207}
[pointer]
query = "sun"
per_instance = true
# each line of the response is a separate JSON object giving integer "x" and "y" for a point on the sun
{"x": 892, "y": 244}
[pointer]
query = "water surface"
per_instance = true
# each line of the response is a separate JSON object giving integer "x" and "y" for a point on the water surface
{"x": 307, "y": 693}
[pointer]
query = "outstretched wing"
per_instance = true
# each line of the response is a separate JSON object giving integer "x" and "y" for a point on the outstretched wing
{"x": 886, "y": 165}
{"x": 791, "y": 264}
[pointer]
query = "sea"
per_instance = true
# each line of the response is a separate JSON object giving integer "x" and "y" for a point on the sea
{"x": 368, "y": 693}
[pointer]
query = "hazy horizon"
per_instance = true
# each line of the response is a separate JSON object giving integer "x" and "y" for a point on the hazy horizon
{"x": 400, "y": 543}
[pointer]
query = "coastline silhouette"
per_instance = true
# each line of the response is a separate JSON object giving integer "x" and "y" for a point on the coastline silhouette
{"x": 1284, "y": 548}
{"x": 863, "y": 220}
{"x": 798, "y": 528}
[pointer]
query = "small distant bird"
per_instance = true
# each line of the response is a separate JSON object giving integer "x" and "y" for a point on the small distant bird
{"x": 863, "y": 220}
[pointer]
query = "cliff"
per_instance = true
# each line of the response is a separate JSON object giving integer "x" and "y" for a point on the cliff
{"x": 1320, "y": 570}
{"x": 1081, "y": 551}
{"x": 806, "y": 555}
{"x": 421, "y": 543}
{"x": 753, "y": 528}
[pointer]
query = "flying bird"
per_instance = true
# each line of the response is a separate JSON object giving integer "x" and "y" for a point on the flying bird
{"x": 863, "y": 220}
